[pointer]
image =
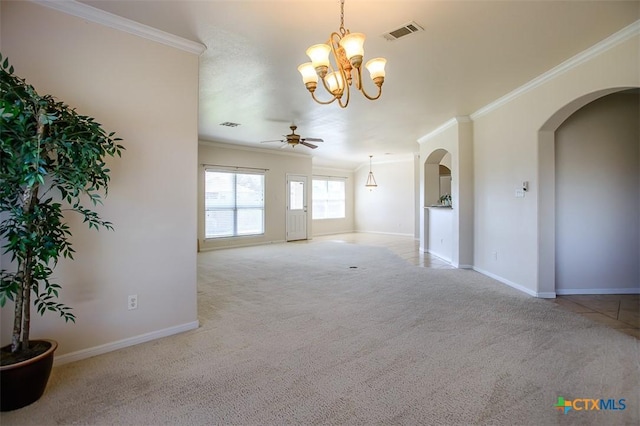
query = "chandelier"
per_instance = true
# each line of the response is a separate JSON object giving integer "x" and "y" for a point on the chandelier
{"x": 347, "y": 50}
{"x": 371, "y": 181}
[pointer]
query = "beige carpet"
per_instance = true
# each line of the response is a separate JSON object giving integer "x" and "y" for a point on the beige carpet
{"x": 331, "y": 333}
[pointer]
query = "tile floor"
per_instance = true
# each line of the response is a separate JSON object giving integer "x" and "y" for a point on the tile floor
{"x": 619, "y": 311}
{"x": 405, "y": 247}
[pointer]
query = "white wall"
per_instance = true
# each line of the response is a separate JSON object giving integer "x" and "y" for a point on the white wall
{"x": 389, "y": 208}
{"x": 148, "y": 94}
{"x": 278, "y": 165}
{"x": 598, "y": 197}
{"x": 337, "y": 226}
{"x": 441, "y": 232}
{"x": 506, "y": 152}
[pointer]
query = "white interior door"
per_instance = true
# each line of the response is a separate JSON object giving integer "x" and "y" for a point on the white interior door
{"x": 296, "y": 207}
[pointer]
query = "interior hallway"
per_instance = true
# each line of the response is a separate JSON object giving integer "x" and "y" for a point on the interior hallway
{"x": 619, "y": 311}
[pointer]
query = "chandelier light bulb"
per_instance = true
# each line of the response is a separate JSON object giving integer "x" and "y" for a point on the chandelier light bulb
{"x": 319, "y": 55}
{"x": 353, "y": 45}
{"x": 376, "y": 68}
{"x": 308, "y": 73}
{"x": 335, "y": 83}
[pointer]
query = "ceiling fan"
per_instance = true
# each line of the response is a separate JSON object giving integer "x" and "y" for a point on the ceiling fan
{"x": 294, "y": 139}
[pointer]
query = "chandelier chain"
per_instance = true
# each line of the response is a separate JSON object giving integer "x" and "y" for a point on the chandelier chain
{"x": 342, "y": 30}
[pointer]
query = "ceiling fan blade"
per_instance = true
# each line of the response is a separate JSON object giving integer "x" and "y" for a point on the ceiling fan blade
{"x": 284, "y": 145}
{"x": 313, "y": 139}
{"x": 310, "y": 145}
{"x": 275, "y": 140}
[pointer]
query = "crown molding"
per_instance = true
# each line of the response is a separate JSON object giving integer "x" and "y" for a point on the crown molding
{"x": 582, "y": 57}
{"x": 90, "y": 13}
{"x": 402, "y": 158}
{"x": 600, "y": 47}
{"x": 331, "y": 169}
{"x": 252, "y": 149}
{"x": 446, "y": 125}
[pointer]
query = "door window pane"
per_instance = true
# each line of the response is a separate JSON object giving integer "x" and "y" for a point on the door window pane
{"x": 296, "y": 195}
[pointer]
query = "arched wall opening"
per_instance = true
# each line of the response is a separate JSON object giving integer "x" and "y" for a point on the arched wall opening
{"x": 548, "y": 204}
{"x": 432, "y": 167}
{"x": 439, "y": 219}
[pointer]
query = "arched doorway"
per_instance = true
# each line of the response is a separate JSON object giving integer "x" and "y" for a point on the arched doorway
{"x": 547, "y": 195}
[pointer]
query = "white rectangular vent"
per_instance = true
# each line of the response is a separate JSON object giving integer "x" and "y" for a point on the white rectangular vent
{"x": 405, "y": 30}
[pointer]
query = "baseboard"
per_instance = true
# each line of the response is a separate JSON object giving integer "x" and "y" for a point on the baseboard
{"x": 261, "y": 243}
{"x": 324, "y": 234}
{"x": 398, "y": 234}
{"x": 570, "y": 291}
{"x": 444, "y": 259}
{"x": 465, "y": 266}
{"x": 120, "y": 344}
{"x": 509, "y": 283}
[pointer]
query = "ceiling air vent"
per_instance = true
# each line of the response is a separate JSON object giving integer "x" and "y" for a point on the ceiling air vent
{"x": 229, "y": 124}
{"x": 403, "y": 31}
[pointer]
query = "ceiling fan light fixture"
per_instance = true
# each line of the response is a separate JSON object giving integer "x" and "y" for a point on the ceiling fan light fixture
{"x": 293, "y": 139}
{"x": 338, "y": 63}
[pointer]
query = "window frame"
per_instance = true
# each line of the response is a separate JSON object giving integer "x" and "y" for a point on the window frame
{"x": 328, "y": 179}
{"x": 235, "y": 171}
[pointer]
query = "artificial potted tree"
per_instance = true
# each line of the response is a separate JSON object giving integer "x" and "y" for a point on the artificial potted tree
{"x": 52, "y": 162}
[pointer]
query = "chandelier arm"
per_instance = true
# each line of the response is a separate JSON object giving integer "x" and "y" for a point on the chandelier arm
{"x": 345, "y": 103}
{"x": 346, "y": 92}
{"x": 372, "y": 98}
{"x": 313, "y": 95}
{"x": 360, "y": 86}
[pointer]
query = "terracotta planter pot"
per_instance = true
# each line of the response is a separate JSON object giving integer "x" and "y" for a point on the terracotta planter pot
{"x": 24, "y": 382}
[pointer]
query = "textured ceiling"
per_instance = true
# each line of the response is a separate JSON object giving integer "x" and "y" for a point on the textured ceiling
{"x": 470, "y": 54}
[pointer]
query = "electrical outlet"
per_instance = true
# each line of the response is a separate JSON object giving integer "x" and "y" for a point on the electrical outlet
{"x": 132, "y": 302}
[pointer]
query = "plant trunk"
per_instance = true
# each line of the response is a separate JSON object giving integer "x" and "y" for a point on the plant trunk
{"x": 26, "y": 303}
{"x": 22, "y": 320}
{"x": 17, "y": 319}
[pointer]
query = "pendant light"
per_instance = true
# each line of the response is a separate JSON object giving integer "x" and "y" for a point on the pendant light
{"x": 371, "y": 181}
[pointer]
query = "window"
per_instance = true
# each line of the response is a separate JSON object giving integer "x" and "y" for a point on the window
{"x": 328, "y": 199}
{"x": 233, "y": 203}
